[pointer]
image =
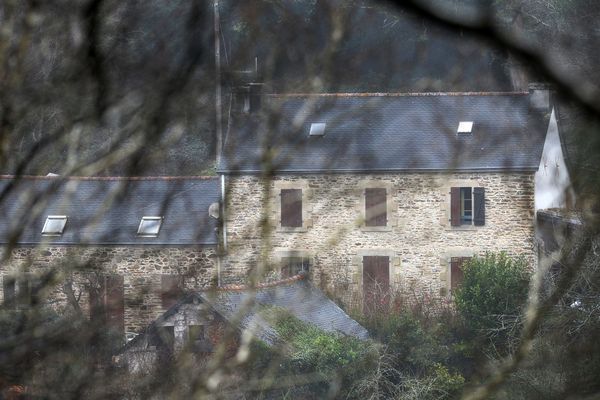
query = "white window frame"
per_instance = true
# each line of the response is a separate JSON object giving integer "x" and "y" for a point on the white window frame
{"x": 140, "y": 233}
{"x": 57, "y": 232}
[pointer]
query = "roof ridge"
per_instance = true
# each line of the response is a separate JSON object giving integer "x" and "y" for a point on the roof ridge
{"x": 261, "y": 285}
{"x": 110, "y": 178}
{"x": 398, "y": 94}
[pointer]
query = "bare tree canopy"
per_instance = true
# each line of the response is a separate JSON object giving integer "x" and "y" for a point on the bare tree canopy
{"x": 299, "y": 199}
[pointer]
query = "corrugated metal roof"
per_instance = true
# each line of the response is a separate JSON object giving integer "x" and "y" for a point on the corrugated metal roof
{"x": 387, "y": 132}
{"x": 109, "y": 210}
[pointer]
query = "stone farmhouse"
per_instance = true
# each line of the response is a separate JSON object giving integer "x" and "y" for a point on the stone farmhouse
{"x": 132, "y": 245}
{"x": 363, "y": 193}
{"x": 368, "y": 192}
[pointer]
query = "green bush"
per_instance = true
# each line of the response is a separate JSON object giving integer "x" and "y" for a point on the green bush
{"x": 330, "y": 361}
{"x": 493, "y": 294}
{"x": 314, "y": 349}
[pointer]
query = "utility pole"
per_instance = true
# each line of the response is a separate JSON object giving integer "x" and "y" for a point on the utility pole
{"x": 219, "y": 117}
{"x": 219, "y": 129}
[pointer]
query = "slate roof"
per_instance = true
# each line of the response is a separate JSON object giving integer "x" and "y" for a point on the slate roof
{"x": 109, "y": 210}
{"x": 298, "y": 297}
{"x": 388, "y": 132}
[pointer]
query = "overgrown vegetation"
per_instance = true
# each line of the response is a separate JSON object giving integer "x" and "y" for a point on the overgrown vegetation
{"x": 421, "y": 347}
{"x": 492, "y": 295}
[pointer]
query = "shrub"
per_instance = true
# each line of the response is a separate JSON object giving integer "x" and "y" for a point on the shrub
{"x": 493, "y": 294}
{"x": 332, "y": 360}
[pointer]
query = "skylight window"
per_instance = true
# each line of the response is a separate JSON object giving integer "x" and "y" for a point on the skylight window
{"x": 150, "y": 226}
{"x": 317, "y": 129}
{"x": 465, "y": 127}
{"x": 54, "y": 225}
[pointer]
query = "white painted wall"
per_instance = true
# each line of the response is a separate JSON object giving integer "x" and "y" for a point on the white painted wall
{"x": 552, "y": 181}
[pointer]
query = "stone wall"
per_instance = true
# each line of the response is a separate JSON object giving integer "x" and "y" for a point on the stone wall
{"x": 418, "y": 237}
{"x": 140, "y": 267}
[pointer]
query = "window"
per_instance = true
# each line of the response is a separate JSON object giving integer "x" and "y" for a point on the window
{"x": 375, "y": 207}
{"x": 376, "y": 283}
{"x": 291, "y": 208}
{"x": 465, "y": 127}
{"x": 19, "y": 292}
{"x": 54, "y": 225}
{"x": 149, "y": 226}
{"x": 171, "y": 290}
{"x": 467, "y": 206}
{"x": 317, "y": 129}
{"x": 163, "y": 340}
{"x": 291, "y": 266}
{"x": 456, "y": 271}
{"x": 107, "y": 303}
{"x": 197, "y": 340}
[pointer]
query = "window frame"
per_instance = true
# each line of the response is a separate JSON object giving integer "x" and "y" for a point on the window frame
{"x": 22, "y": 288}
{"x": 390, "y": 207}
{"x": 456, "y": 212}
{"x": 275, "y": 214}
{"x": 461, "y": 260}
{"x": 305, "y": 261}
{"x": 374, "y": 220}
{"x": 59, "y": 232}
{"x": 146, "y": 218}
{"x": 290, "y": 217}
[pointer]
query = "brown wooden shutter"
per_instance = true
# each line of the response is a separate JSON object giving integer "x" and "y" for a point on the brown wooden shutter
{"x": 479, "y": 206}
{"x": 171, "y": 290}
{"x": 456, "y": 271}
{"x": 8, "y": 284}
{"x": 291, "y": 208}
{"x": 97, "y": 300}
{"x": 375, "y": 207}
{"x": 376, "y": 282}
{"x": 455, "y": 206}
{"x": 115, "y": 304}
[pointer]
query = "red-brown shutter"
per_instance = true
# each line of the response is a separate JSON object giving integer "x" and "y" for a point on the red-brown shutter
{"x": 375, "y": 207}
{"x": 376, "y": 282}
{"x": 291, "y": 208}
{"x": 456, "y": 271}
{"x": 171, "y": 290}
{"x": 97, "y": 300}
{"x": 115, "y": 304}
{"x": 455, "y": 206}
{"x": 479, "y": 206}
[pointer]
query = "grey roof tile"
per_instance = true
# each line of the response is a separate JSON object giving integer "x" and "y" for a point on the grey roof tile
{"x": 300, "y": 298}
{"x": 386, "y": 133}
{"x": 109, "y": 210}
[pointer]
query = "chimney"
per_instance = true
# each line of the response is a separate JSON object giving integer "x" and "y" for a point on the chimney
{"x": 539, "y": 96}
{"x": 247, "y": 98}
{"x": 247, "y": 89}
{"x": 254, "y": 95}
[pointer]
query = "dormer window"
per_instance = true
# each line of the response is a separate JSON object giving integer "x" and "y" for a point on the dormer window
{"x": 465, "y": 128}
{"x": 54, "y": 225}
{"x": 149, "y": 226}
{"x": 317, "y": 129}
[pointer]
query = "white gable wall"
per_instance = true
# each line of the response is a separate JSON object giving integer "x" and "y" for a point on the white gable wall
{"x": 552, "y": 181}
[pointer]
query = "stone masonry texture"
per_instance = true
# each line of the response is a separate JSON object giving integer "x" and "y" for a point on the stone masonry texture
{"x": 140, "y": 267}
{"x": 418, "y": 237}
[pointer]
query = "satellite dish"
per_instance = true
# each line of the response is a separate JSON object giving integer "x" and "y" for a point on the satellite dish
{"x": 213, "y": 210}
